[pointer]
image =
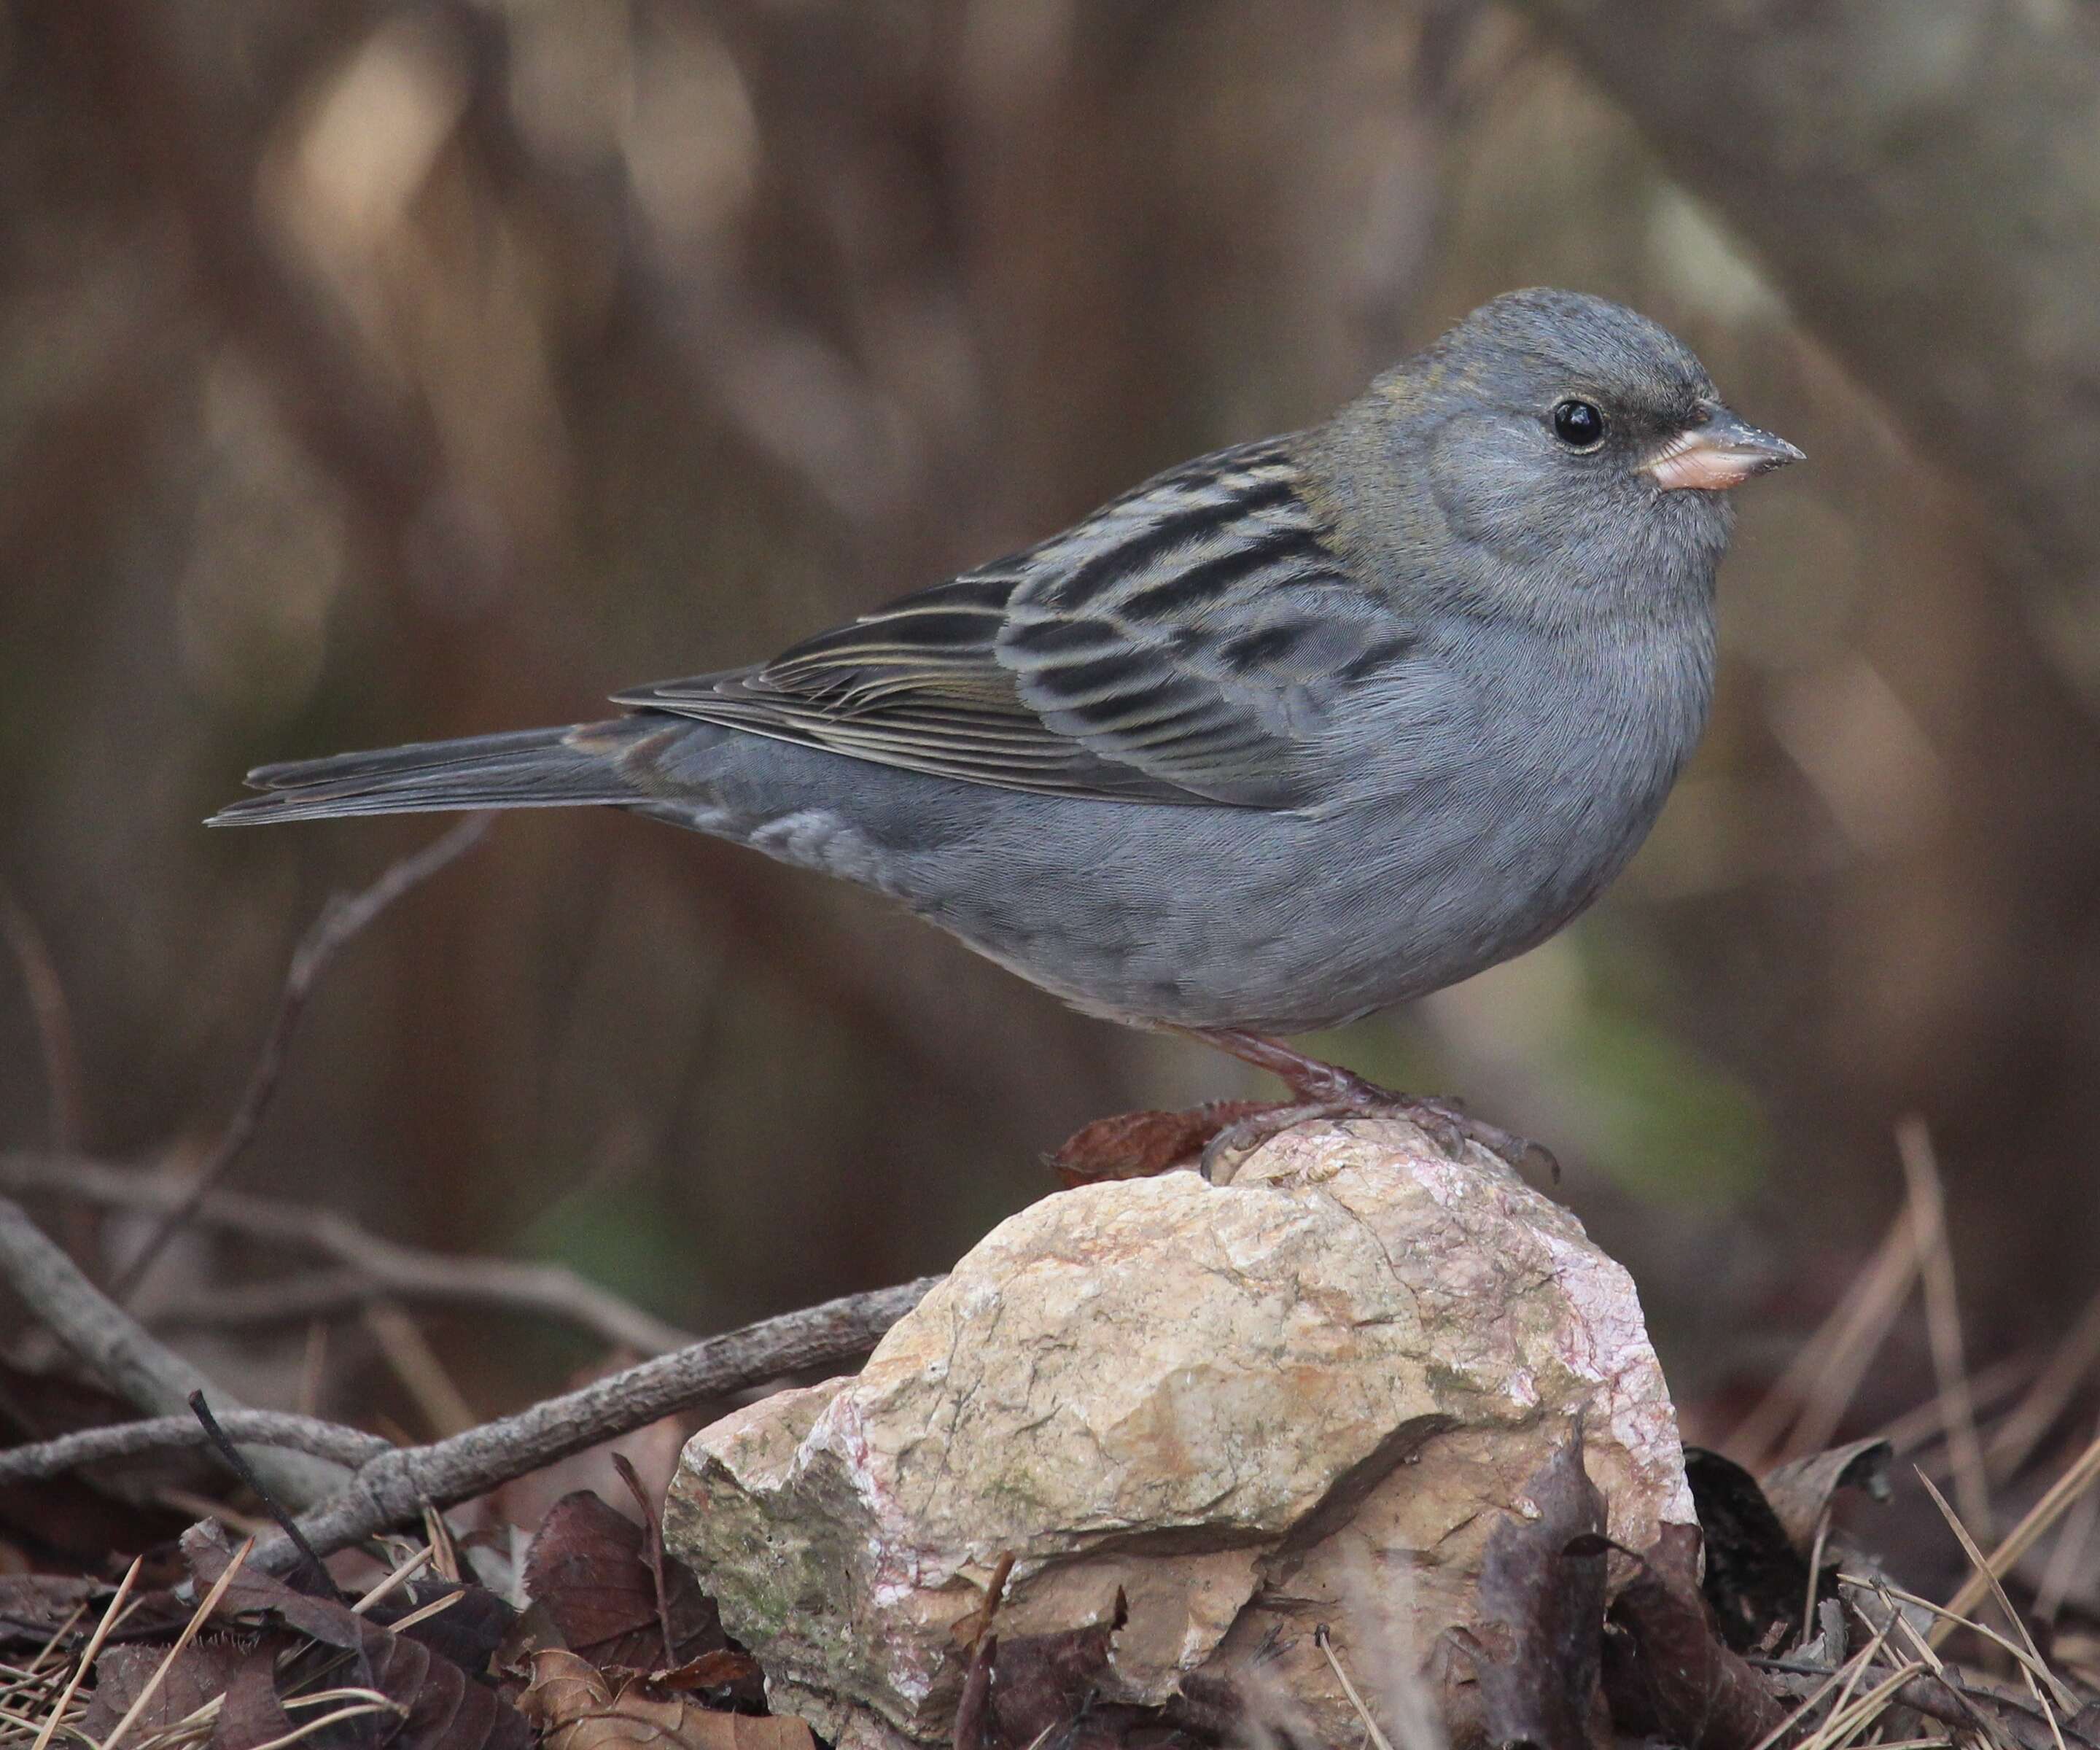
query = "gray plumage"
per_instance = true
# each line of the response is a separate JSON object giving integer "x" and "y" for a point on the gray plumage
{"x": 1285, "y": 735}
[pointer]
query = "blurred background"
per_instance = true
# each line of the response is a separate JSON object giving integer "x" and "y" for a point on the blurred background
{"x": 373, "y": 372}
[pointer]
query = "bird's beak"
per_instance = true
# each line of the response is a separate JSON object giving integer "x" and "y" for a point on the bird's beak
{"x": 1722, "y": 452}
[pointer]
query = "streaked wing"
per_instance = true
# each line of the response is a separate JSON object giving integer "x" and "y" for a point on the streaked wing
{"x": 1182, "y": 645}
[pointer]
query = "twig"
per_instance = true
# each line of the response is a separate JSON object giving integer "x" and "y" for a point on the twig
{"x": 340, "y": 919}
{"x": 375, "y": 1268}
{"x": 242, "y": 1468}
{"x": 652, "y": 1532}
{"x": 103, "y": 1336}
{"x": 397, "y": 1485}
{"x": 56, "y": 1039}
{"x": 347, "y": 1446}
{"x": 1816, "y": 1569}
{"x": 1943, "y": 1321}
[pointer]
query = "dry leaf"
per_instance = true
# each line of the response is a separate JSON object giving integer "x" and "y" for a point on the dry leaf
{"x": 1801, "y": 1490}
{"x": 201, "y": 1673}
{"x": 1542, "y": 1603}
{"x": 1140, "y": 1145}
{"x": 1666, "y": 1673}
{"x": 570, "y": 1700}
{"x": 1042, "y": 1682}
{"x": 1756, "y": 1579}
{"x": 442, "y": 1707}
{"x": 588, "y": 1569}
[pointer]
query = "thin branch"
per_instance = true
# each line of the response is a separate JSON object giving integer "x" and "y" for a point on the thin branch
{"x": 347, "y": 1446}
{"x": 222, "y": 1443}
{"x": 56, "y": 1039}
{"x": 375, "y": 1269}
{"x": 396, "y": 1486}
{"x": 340, "y": 919}
{"x": 101, "y": 1335}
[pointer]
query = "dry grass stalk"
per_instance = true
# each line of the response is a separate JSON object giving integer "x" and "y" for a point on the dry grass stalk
{"x": 1812, "y": 1396}
{"x": 1325, "y": 1642}
{"x": 89, "y": 1655}
{"x": 1943, "y": 1318}
{"x": 2079, "y": 1476}
{"x": 2028, "y": 1656}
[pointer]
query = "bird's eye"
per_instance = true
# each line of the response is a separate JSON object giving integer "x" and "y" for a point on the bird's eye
{"x": 1578, "y": 424}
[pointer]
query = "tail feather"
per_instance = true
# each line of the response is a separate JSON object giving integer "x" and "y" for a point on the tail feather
{"x": 553, "y": 768}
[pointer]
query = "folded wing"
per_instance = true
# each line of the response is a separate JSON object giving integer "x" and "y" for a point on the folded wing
{"x": 1185, "y": 644}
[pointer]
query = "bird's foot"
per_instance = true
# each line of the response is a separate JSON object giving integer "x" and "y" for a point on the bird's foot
{"x": 1445, "y": 1122}
{"x": 1322, "y": 1090}
{"x": 1214, "y": 1138}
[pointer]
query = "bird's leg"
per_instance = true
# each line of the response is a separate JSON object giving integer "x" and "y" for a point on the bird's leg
{"x": 1327, "y": 1091}
{"x": 1313, "y": 1081}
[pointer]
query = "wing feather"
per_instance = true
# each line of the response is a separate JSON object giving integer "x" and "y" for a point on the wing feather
{"x": 1182, "y": 645}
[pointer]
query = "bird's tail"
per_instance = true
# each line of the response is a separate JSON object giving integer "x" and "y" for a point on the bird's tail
{"x": 553, "y": 768}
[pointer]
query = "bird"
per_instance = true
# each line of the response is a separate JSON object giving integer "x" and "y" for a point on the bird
{"x": 1284, "y": 736}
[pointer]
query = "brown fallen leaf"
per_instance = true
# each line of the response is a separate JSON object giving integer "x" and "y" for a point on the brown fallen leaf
{"x": 435, "y": 1704}
{"x": 571, "y": 1701}
{"x": 199, "y": 1674}
{"x": 1666, "y": 1673}
{"x": 1802, "y": 1490}
{"x": 1756, "y": 1579}
{"x": 1542, "y": 1597}
{"x": 1041, "y": 1683}
{"x": 724, "y": 1666}
{"x": 1140, "y": 1145}
{"x": 589, "y": 1569}
{"x": 35, "y": 1606}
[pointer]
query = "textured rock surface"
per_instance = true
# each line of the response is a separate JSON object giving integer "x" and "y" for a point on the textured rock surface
{"x": 1305, "y": 1396}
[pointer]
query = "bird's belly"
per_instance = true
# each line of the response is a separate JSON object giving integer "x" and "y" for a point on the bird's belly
{"x": 1204, "y": 918}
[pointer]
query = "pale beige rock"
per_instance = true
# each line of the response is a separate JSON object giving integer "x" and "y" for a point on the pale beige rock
{"x": 1304, "y": 1396}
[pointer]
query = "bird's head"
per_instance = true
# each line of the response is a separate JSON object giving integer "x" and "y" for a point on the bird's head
{"x": 1568, "y": 449}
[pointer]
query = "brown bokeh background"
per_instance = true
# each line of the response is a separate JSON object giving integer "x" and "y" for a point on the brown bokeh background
{"x": 376, "y": 373}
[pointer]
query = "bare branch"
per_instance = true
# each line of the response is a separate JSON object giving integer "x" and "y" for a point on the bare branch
{"x": 100, "y": 1334}
{"x": 374, "y": 1268}
{"x": 341, "y": 918}
{"x": 395, "y": 1486}
{"x": 347, "y": 1446}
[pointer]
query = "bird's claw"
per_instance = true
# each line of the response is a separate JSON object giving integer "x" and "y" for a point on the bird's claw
{"x": 1445, "y": 1122}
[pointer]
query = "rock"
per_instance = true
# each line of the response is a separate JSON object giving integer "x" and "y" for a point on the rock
{"x": 1306, "y": 1396}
